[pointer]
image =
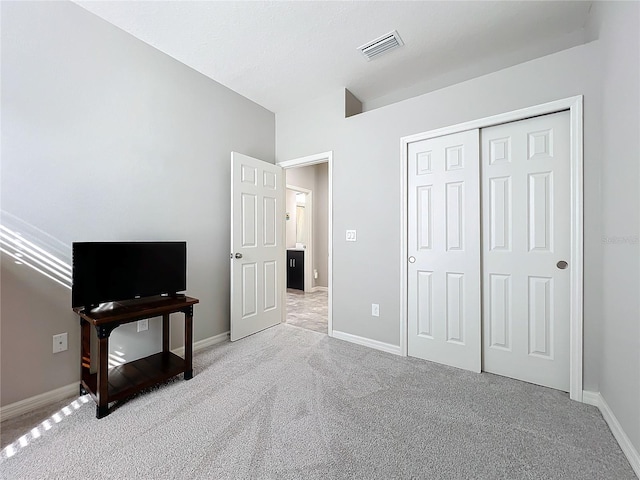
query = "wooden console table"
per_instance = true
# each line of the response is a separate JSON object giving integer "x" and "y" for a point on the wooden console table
{"x": 106, "y": 385}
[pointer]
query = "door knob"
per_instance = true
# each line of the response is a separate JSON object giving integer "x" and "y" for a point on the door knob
{"x": 562, "y": 264}
{"x": 412, "y": 259}
{"x": 238, "y": 255}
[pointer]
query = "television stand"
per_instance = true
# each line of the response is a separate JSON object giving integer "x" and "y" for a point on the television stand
{"x": 106, "y": 386}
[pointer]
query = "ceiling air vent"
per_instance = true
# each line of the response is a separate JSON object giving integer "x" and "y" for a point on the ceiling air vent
{"x": 380, "y": 45}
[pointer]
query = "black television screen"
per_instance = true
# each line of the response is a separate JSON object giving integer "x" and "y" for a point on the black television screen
{"x": 111, "y": 271}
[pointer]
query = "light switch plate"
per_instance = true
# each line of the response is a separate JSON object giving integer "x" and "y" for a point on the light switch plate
{"x": 351, "y": 235}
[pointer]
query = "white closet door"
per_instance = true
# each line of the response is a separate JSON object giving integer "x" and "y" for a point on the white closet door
{"x": 526, "y": 236}
{"x": 444, "y": 250}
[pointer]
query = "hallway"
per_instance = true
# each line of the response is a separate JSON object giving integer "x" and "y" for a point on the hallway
{"x": 308, "y": 310}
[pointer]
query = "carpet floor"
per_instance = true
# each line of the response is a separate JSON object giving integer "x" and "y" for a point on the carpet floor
{"x": 289, "y": 403}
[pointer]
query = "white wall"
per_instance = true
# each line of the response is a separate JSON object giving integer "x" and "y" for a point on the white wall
{"x": 620, "y": 368}
{"x": 366, "y": 180}
{"x": 321, "y": 224}
{"x": 291, "y": 225}
{"x": 106, "y": 138}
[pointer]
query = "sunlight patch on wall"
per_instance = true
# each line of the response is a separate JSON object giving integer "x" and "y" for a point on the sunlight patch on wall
{"x": 35, "y": 249}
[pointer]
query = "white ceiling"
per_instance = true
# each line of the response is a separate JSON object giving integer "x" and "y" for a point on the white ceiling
{"x": 280, "y": 54}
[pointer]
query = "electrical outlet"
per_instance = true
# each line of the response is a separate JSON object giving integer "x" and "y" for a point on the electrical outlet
{"x": 143, "y": 325}
{"x": 60, "y": 342}
{"x": 351, "y": 235}
{"x": 375, "y": 310}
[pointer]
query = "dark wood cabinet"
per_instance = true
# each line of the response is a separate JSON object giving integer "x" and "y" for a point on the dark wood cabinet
{"x": 295, "y": 269}
{"x": 106, "y": 385}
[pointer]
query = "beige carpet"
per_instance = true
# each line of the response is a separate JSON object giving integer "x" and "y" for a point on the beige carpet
{"x": 289, "y": 403}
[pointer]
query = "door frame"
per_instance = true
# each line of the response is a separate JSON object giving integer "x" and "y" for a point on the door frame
{"x": 575, "y": 107}
{"x": 325, "y": 157}
{"x": 308, "y": 251}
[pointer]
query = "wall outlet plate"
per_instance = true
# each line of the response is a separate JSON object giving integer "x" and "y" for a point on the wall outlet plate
{"x": 375, "y": 310}
{"x": 143, "y": 325}
{"x": 60, "y": 342}
{"x": 351, "y": 235}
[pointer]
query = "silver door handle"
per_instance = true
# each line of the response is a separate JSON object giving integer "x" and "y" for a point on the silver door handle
{"x": 238, "y": 255}
{"x": 562, "y": 264}
{"x": 412, "y": 259}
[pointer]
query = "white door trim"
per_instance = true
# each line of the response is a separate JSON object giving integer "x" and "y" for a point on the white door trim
{"x": 574, "y": 105}
{"x": 308, "y": 251}
{"x": 325, "y": 157}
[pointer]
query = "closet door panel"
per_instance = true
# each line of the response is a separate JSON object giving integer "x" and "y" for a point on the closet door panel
{"x": 444, "y": 250}
{"x": 526, "y": 233}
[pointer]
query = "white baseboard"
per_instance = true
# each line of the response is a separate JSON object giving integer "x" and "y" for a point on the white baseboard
{"x": 591, "y": 398}
{"x": 596, "y": 399}
{"x": 29, "y": 404}
{"x": 320, "y": 289}
{"x": 207, "y": 342}
{"x": 367, "y": 342}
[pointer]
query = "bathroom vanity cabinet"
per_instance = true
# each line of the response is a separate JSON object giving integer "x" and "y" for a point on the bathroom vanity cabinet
{"x": 295, "y": 269}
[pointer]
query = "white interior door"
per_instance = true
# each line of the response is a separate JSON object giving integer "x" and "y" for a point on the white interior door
{"x": 443, "y": 283}
{"x": 526, "y": 233}
{"x": 257, "y": 245}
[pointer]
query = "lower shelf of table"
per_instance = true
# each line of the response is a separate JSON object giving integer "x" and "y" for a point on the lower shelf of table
{"x": 129, "y": 378}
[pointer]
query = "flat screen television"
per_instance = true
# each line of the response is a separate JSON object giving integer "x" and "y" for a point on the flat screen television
{"x": 112, "y": 271}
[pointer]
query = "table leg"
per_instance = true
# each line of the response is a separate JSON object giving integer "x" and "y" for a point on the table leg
{"x": 165, "y": 332}
{"x": 85, "y": 354}
{"x": 102, "y": 394}
{"x": 188, "y": 343}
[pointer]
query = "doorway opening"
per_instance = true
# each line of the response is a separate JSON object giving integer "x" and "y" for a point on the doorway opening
{"x": 308, "y": 242}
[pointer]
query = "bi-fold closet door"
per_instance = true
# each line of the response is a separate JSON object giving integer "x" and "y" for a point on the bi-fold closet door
{"x": 489, "y": 245}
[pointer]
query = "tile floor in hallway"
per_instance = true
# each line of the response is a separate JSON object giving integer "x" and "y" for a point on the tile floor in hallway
{"x": 308, "y": 310}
